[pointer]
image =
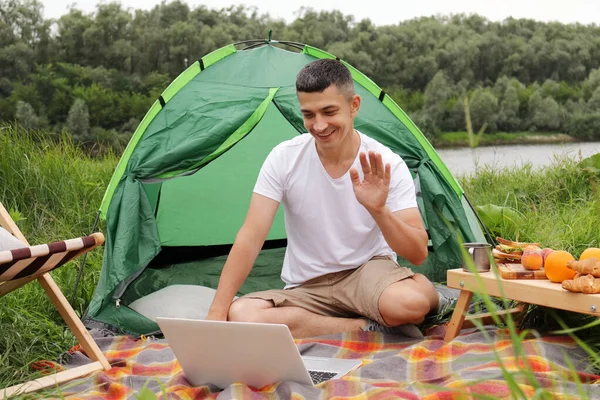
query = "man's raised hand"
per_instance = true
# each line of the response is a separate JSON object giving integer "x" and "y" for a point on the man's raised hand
{"x": 372, "y": 192}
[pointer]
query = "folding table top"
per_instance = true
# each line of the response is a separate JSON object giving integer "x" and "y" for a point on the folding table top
{"x": 533, "y": 291}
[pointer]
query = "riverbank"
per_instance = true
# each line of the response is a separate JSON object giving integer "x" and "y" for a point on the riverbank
{"x": 467, "y": 161}
{"x": 461, "y": 139}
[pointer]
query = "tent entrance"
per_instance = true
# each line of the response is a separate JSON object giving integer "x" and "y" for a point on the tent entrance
{"x": 208, "y": 207}
{"x": 178, "y": 266}
{"x": 199, "y": 215}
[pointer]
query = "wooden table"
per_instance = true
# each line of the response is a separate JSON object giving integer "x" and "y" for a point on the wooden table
{"x": 532, "y": 291}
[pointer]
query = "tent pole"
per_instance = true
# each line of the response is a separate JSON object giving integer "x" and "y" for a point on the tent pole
{"x": 259, "y": 42}
{"x": 487, "y": 232}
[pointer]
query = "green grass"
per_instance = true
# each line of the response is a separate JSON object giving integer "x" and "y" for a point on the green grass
{"x": 53, "y": 191}
{"x": 558, "y": 206}
{"x": 461, "y": 139}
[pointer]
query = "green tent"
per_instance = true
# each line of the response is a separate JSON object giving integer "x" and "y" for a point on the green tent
{"x": 182, "y": 187}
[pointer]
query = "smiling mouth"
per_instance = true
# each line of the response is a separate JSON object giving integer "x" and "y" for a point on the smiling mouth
{"x": 324, "y": 135}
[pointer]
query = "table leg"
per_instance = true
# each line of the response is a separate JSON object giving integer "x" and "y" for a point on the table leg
{"x": 458, "y": 316}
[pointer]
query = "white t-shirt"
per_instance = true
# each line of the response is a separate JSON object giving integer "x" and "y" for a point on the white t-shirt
{"x": 328, "y": 230}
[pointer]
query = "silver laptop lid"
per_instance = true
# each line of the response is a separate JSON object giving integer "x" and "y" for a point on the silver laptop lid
{"x": 222, "y": 353}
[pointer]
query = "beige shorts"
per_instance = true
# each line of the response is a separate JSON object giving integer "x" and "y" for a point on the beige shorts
{"x": 350, "y": 294}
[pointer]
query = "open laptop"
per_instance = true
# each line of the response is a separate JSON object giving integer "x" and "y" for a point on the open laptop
{"x": 222, "y": 353}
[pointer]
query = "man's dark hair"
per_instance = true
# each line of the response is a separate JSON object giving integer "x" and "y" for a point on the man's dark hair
{"x": 320, "y": 74}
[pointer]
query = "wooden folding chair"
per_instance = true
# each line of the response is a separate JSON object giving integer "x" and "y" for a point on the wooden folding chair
{"x": 23, "y": 265}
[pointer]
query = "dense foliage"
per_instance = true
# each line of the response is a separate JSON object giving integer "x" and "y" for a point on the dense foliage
{"x": 95, "y": 75}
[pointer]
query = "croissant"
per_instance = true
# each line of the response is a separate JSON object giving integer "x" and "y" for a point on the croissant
{"x": 588, "y": 266}
{"x": 582, "y": 284}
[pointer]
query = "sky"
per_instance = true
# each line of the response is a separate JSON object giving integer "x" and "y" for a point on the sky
{"x": 381, "y": 12}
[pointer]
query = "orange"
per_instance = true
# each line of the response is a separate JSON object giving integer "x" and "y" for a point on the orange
{"x": 556, "y": 268}
{"x": 589, "y": 253}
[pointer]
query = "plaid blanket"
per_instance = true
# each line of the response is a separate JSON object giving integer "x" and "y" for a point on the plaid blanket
{"x": 467, "y": 367}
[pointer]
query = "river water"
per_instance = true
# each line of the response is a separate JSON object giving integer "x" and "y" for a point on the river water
{"x": 464, "y": 161}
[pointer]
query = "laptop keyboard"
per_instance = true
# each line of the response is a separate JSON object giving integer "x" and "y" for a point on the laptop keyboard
{"x": 321, "y": 376}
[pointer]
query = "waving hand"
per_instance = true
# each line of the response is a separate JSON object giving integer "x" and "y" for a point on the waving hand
{"x": 372, "y": 192}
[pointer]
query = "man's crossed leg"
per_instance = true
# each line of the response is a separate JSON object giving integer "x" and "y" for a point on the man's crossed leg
{"x": 379, "y": 295}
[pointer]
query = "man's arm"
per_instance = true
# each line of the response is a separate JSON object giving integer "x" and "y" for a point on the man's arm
{"x": 248, "y": 243}
{"x": 404, "y": 232}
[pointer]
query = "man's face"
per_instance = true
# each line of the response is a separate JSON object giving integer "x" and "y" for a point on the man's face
{"x": 329, "y": 115}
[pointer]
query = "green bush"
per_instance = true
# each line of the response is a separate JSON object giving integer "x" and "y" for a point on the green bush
{"x": 584, "y": 125}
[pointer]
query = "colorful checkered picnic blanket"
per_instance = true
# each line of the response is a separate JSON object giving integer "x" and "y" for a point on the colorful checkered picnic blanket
{"x": 392, "y": 368}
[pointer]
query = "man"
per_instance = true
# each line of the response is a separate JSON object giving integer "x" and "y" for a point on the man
{"x": 350, "y": 208}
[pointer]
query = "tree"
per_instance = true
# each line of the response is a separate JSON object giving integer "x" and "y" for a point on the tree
{"x": 592, "y": 82}
{"x": 78, "y": 121}
{"x": 594, "y": 101}
{"x": 480, "y": 111}
{"x": 16, "y": 61}
{"x": 484, "y": 109}
{"x": 23, "y": 21}
{"x": 545, "y": 113}
{"x": 321, "y": 28}
{"x": 552, "y": 117}
{"x": 508, "y": 116}
{"x": 584, "y": 125}
{"x": 26, "y": 116}
{"x": 455, "y": 119}
{"x": 438, "y": 91}
{"x": 70, "y": 46}
{"x": 119, "y": 60}
{"x": 5, "y": 87}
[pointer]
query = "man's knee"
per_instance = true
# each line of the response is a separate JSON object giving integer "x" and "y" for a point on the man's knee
{"x": 428, "y": 289}
{"x": 248, "y": 310}
{"x": 405, "y": 302}
{"x": 412, "y": 306}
